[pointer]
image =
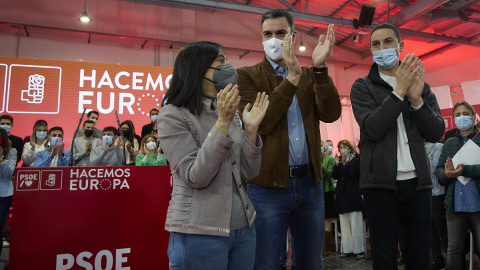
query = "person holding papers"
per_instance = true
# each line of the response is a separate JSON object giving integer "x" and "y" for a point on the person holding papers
{"x": 462, "y": 201}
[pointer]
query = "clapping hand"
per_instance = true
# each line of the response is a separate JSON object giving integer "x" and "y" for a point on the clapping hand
{"x": 415, "y": 91}
{"x": 451, "y": 171}
{"x": 406, "y": 73}
{"x": 227, "y": 105}
{"x": 324, "y": 47}
{"x": 253, "y": 116}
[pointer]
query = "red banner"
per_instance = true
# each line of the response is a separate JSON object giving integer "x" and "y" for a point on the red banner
{"x": 58, "y": 91}
{"x": 93, "y": 218}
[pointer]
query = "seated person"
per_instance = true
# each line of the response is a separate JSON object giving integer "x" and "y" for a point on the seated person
{"x": 97, "y": 133}
{"x": 110, "y": 153}
{"x": 84, "y": 145}
{"x": 151, "y": 152}
{"x": 54, "y": 155}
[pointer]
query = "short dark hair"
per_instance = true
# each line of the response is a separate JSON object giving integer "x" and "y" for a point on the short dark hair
{"x": 88, "y": 122}
{"x": 8, "y": 117}
{"x": 112, "y": 129}
{"x": 191, "y": 64}
{"x": 154, "y": 109}
{"x": 91, "y": 112}
{"x": 466, "y": 104}
{"x": 278, "y": 13}
{"x": 55, "y": 128}
{"x": 386, "y": 26}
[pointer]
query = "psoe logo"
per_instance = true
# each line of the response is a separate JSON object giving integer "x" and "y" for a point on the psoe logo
{"x": 28, "y": 180}
{"x": 36, "y": 89}
{"x": 88, "y": 260}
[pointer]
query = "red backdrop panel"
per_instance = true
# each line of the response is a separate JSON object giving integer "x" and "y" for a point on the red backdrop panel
{"x": 103, "y": 217}
{"x": 58, "y": 91}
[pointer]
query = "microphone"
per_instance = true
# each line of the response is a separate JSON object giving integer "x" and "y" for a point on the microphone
{"x": 123, "y": 137}
{"x": 75, "y": 135}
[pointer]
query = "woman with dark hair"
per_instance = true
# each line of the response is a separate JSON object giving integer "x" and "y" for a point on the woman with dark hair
{"x": 210, "y": 218}
{"x": 8, "y": 161}
{"x": 131, "y": 143}
{"x": 38, "y": 142}
{"x": 349, "y": 200}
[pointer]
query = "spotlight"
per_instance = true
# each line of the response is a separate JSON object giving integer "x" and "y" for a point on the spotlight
{"x": 84, "y": 17}
{"x": 302, "y": 47}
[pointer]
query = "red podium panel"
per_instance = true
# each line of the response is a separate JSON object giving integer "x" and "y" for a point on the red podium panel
{"x": 90, "y": 218}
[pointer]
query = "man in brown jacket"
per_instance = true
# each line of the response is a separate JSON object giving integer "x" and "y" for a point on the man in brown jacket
{"x": 287, "y": 191}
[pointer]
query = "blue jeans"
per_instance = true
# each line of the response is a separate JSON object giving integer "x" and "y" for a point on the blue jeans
{"x": 386, "y": 210}
{"x": 200, "y": 252}
{"x": 301, "y": 208}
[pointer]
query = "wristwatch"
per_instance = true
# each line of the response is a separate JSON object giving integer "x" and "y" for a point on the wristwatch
{"x": 322, "y": 69}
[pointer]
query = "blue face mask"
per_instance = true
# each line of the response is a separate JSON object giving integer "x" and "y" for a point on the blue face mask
{"x": 323, "y": 150}
{"x": 343, "y": 151}
{"x": 154, "y": 118}
{"x": 108, "y": 139}
{"x": 40, "y": 135}
{"x": 6, "y": 128}
{"x": 329, "y": 149}
{"x": 386, "y": 58}
{"x": 463, "y": 122}
{"x": 55, "y": 140}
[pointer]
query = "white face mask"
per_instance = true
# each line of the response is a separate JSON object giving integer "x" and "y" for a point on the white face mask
{"x": 273, "y": 48}
{"x": 151, "y": 145}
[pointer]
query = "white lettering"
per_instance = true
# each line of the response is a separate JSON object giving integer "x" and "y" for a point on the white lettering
{"x": 84, "y": 78}
{"x": 128, "y": 105}
{"x": 117, "y": 80}
{"x": 81, "y": 262}
{"x": 116, "y": 182}
{"x": 61, "y": 259}
{"x": 73, "y": 173}
{"x": 82, "y": 101}
{"x": 105, "y": 80}
{"x": 155, "y": 84}
{"x": 136, "y": 80}
{"x": 109, "y": 173}
{"x": 94, "y": 184}
{"x": 167, "y": 81}
{"x": 125, "y": 184}
{"x": 119, "y": 259}
{"x": 99, "y": 103}
{"x": 127, "y": 172}
{"x": 73, "y": 184}
{"x": 98, "y": 260}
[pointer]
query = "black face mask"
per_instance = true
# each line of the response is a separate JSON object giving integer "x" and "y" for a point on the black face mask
{"x": 126, "y": 133}
{"x": 88, "y": 132}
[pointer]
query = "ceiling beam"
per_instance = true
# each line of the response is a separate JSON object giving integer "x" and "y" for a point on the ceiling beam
{"x": 414, "y": 11}
{"x": 285, "y": 3}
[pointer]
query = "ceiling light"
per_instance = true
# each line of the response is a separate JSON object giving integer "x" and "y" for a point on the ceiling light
{"x": 302, "y": 47}
{"x": 84, "y": 17}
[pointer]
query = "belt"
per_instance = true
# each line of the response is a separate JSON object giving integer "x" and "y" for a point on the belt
{"x": 299, "y": 171}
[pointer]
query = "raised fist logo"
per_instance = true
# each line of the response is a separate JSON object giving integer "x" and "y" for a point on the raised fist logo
{"x": 35, "y": 92}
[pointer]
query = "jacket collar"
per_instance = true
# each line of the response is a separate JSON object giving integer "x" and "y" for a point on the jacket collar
{"x": 470, "y": 136}
{"x": 265, "y": 64}
{"x": 374, "y": 76}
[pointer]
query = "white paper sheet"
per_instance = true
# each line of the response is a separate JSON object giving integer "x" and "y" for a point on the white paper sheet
{"x": 469, "y": 154}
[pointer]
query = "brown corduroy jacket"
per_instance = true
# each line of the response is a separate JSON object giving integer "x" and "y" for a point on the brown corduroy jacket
{"x": 318, "y": 99}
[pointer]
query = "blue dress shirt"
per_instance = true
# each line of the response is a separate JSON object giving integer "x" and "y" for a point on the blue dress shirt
{"x": 296, "y": 131}
{"x": 43, "y": 159}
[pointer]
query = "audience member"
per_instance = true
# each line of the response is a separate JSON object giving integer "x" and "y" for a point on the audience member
{"x": 83, "y": 145}
{"x": 288, "y": 191}
{"x": 396, "y": 112}
{"x": 328, "y": 196}
{"x": 439, "y": 222}
{"x": 329, "y": 149}
{"x": 6, "y": 123}
{"x": 210, "y": 218}
{"x": 150, "y": 127}
{"x": 462, "y": 200}
{"x": 131, "y": 143}
{"x": 55, "y": 155}
{"x": 38, "y": 141}
{"x": 8, "y": 161}
{"x": 110, "y": 153}
{"x": 151, "y": 152}
{"x": 349, "y": 200}
{"x": 97, "y": 133}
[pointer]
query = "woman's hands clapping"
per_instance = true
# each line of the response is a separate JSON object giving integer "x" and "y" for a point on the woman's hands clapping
{"x": 227, "y": 105}
{"x": 253, "y": 116}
